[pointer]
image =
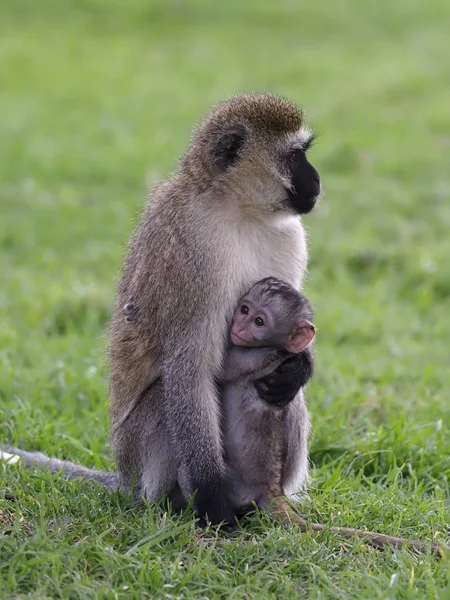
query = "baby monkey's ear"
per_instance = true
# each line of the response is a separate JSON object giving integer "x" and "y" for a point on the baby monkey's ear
{"x": 301, "y": 336}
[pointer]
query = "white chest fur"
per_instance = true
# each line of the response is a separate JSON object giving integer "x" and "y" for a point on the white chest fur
{"x": 242, "y": 251}
{"x": 275, "y": 248}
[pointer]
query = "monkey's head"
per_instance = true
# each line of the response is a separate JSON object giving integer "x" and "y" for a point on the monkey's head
{"x": 254, "y": 147}
{"x": 273, "y": 314}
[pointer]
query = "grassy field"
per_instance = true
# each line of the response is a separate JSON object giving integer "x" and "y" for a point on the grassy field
{"x": 97, "y": 98}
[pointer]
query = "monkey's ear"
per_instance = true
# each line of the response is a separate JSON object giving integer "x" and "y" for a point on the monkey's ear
{"x": 227, "y": 149}
{"x": 301, "y": 337}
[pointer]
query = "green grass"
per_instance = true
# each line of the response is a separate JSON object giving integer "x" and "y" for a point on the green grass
{"x": 97, "y": 98}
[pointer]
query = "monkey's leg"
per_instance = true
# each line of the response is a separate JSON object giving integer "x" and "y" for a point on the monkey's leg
{"x": 266, "y": 448}
{"x": 296, "y": 429}
{"x": 281, "y": 510}
{"x": 142, "y": 448}
{"x": 144, "y": 454}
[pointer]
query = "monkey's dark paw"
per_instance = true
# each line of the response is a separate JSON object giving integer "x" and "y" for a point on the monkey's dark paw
{"x": 225, "y": 528}
{"x": 230, "y": 529}
{"x": 212, "y": 506}
{"x": 281, "y": 387}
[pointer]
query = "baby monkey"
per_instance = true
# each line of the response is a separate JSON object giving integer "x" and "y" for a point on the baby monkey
{"x": 271, "y": 323}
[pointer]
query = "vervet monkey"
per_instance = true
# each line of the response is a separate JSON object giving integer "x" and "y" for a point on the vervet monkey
{"x": 271, "y": 322}
{"x": 228, "y": 217}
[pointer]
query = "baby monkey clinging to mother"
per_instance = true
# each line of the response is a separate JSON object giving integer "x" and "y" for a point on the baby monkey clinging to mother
{"x": 271, "y": 322}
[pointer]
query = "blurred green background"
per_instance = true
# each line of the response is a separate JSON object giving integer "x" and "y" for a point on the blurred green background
{"x": 97, "y": 99}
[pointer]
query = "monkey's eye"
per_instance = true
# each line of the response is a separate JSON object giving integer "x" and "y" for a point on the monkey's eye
{"x": 293, "y": 154}
{"x": 244, "y": 309}
{"x": 296, "y": 153}
{"x": 259, "y": 322}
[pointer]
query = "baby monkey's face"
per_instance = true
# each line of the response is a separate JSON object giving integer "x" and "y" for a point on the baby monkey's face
{"x": 266, "y": 325}
{"x": 252, "y": 325}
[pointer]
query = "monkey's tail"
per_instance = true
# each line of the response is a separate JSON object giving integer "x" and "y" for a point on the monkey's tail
{"x": 379, "y": 540}
{"x": 70, "y": 470}
{"x": 282, "y": 510}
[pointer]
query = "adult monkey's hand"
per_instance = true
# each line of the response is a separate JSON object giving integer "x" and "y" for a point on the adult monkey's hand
{"x": 283, "y": 384}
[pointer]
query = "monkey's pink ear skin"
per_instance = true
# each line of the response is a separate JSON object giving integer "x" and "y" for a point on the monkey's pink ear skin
{"x": 301, "y": 337}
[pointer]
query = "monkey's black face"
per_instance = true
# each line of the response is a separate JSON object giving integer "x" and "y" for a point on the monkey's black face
{"x": 304, "y": 188}
{"x": 305, "y": 183}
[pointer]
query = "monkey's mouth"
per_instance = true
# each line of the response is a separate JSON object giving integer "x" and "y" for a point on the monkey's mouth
{"x": 239, "y": 341}
{"x": 305, "y": 202}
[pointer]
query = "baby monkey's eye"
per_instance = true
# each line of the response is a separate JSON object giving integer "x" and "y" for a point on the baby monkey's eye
{"x": 244, "y": 309}
{"x": 259, "y": 322}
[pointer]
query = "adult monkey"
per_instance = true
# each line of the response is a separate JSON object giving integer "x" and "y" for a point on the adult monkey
{"x": 227, "y": 218}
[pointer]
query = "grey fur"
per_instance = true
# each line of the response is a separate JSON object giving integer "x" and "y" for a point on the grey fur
{"x": 266, "y": 447}
{"x": 206, "y": 236}
{"x": 70, "y": 470}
